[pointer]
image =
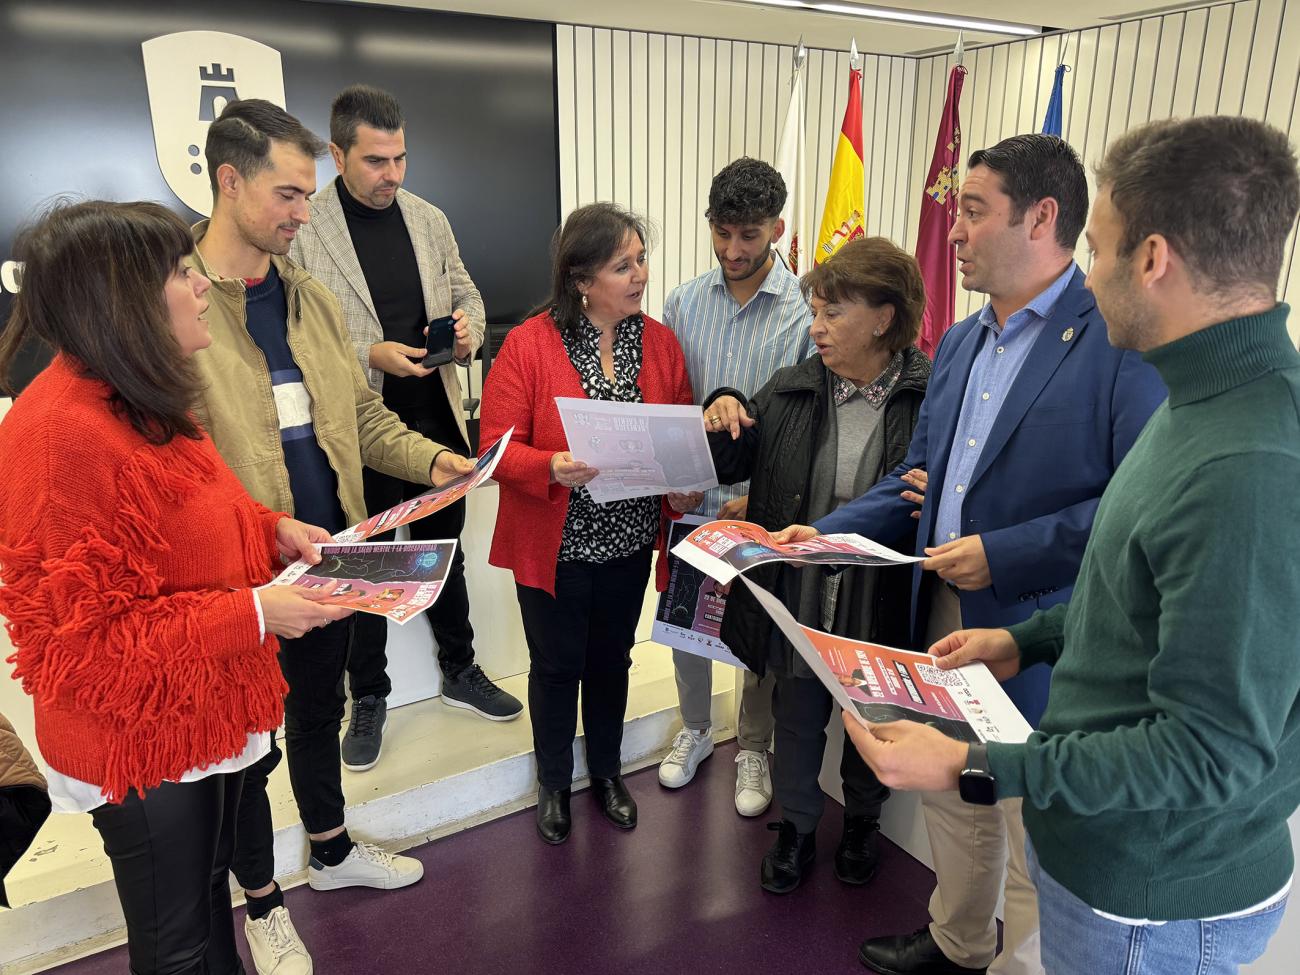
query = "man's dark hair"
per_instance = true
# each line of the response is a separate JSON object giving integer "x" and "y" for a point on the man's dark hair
{"x": 746, "y": 191}
{"x": 362, "y": 105}
{"x": 1034, "y": 167}
{"x": 590, "y": 238}
{"x": 92, "y": 289}
{"x": 243, "y": 133}
{"x": 1223, "y": 190}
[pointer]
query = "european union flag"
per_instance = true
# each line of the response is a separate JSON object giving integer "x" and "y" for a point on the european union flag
{"x": 1052, "y": 120}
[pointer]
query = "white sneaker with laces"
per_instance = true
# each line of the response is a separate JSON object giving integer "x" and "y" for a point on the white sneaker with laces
{"x": 753, "y": 783}
{"x": 689, "y": 749}
{"x": 366, "y": 866}
{"x": 275, "y": 946}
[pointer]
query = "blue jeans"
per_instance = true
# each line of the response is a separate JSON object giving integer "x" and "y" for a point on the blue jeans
{"x": 1078, "y": 941}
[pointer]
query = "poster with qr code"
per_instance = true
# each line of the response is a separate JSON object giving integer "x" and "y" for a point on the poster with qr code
{"x": 877, "y": 684}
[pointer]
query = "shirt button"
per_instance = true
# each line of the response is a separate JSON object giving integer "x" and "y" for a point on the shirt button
{"x": 952, "y": 535}
{"x": 960, "y": 489}
{"x": 1000, "y": 350}
{"x": 985, "y": 396}
{"x": 728, "y": 355}
{"x": 971, "y": 442}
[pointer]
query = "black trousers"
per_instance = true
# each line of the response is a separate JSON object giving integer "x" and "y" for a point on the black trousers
{"x": 801, "y": 707}
{"x": 313, "y": 716}
{"x": 171, "y": 855}
{"x": 448, "y": 617}
{"x": 582, "y": 636}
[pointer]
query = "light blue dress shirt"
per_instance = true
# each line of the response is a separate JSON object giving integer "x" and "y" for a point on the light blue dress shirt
{"x": 992, "y": 375}
{"x": 726, "y": 344}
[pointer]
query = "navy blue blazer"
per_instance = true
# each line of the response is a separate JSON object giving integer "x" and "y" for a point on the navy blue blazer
{"x": 1074, "y": 410}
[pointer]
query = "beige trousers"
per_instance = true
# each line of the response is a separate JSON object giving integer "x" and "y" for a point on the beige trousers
{"x": 973, "y": 848}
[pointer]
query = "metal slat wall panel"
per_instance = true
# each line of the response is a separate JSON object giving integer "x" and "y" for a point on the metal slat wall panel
{"x": 646, "y": 119}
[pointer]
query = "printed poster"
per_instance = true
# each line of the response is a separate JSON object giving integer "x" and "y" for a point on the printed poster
{"x": 640, "y": 449}
{"x": 431, "y": 501}
{"x": 399, "y": 580}
{"x": 724, "y": 549}
{"x": 878, "y": 684}
{"x": 689, "y": 614}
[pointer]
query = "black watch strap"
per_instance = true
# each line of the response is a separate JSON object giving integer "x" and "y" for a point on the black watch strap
{"x": 977, "y": 784}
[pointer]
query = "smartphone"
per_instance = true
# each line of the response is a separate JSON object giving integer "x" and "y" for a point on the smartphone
{"x": 440, "y": 343}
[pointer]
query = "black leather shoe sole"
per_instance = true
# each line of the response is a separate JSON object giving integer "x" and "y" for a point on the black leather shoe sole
{"x": 855, "y": 873}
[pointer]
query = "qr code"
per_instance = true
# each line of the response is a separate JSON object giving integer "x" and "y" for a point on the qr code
{"x": 939, "y": 678}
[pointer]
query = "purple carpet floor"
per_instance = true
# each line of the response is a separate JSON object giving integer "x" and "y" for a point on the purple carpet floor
{"x": 677, "y": 894}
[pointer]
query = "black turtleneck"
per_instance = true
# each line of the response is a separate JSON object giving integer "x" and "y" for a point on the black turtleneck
{"x": 387, "y": 259}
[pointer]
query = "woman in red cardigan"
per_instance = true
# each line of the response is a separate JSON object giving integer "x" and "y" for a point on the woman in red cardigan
{"x": 128, "y": 555}
{"x": 580, "y": 568}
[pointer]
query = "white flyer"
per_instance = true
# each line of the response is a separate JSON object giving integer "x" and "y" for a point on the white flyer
{"x": 875, "y": 683}
{"x": 640, "y": 449}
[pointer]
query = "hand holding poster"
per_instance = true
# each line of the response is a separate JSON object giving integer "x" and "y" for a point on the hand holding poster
{"x": 431, "y": 501}
{"x": 724, "y": 549}
{"x": 398, "y": 580}
{"x": 640, "y": 449}
{"x": 877, "y": 684}
{"x": 689, "y": 614}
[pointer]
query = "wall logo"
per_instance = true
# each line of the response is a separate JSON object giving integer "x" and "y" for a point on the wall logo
{"x": 191, "y": 77}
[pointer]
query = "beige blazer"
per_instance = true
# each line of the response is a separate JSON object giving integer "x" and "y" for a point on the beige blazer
{"x": 324, "y": 248}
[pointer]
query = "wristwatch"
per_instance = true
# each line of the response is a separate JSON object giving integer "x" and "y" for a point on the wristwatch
{"x": 977, "y": 784}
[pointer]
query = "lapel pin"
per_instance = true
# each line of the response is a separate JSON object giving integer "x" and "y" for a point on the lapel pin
{"x": 1067, "y": 335}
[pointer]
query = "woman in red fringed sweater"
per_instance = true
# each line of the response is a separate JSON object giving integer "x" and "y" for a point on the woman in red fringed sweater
{"x": 128, "y": 553}
{"x": 580, "y": 568}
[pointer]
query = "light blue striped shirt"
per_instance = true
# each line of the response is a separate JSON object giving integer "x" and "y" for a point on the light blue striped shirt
{"x": 727, "y": 345}
{"x": 992, "y": 375}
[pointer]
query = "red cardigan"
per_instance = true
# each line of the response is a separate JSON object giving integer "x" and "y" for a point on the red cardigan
{"x": 126, "y": 570}
{"x": 530, "y": 371}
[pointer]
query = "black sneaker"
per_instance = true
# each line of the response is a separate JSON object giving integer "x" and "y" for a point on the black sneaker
{"x": 472, "y": 690}
{"x": 365, "y": 738}
{"x": 859, "y": 850}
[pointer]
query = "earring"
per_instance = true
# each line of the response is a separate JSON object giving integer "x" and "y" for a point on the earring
{"x": 585, "y": 303}
{"x": 877, "y": 333}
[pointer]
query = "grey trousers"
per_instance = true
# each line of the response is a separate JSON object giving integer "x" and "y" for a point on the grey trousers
{"x": 695, "y": 691}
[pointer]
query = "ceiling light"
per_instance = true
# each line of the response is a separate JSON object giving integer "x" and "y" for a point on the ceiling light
{"x": 906, "y": 16}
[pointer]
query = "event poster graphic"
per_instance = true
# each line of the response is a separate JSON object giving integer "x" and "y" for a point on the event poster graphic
{"x": 878, "y": 684}
{"x": 724, "y": 549}
{"x": 689, "y": 614}
{"x": 398, "y": 580}
{"x": 431, "y": 501}
{"x": 640, "y": 449}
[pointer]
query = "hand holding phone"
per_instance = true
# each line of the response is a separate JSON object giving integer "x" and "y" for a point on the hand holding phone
{"x": 440, "y": 342}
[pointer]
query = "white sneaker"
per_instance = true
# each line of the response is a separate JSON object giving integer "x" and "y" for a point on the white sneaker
{"x": 275, "y": 945}
{"x": 753, "y": 783}
{"x": 689, "y": 749}
{"x": 366, "y": 866}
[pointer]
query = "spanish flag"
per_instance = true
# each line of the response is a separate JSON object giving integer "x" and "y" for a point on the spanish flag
{"x": 842, "y": 218}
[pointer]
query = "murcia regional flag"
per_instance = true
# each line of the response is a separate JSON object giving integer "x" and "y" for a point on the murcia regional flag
{"x": 845, "y": 199}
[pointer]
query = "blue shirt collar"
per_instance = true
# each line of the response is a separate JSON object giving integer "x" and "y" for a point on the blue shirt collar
{"x": 1042, "y": 305}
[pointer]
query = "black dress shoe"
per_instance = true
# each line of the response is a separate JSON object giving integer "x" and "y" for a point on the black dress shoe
{"x": 858, "y": 853}
{"x": 614, "y": 800}
{"x": 789, "y": 860}
{"x": 910, "y": 954}
{"x": 553, "y": 819}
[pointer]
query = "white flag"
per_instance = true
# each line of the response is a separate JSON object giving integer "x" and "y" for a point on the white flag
{"x": 791, "y": 163}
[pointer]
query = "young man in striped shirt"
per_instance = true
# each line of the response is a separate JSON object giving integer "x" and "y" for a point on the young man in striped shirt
{"x": 737, "y": 324}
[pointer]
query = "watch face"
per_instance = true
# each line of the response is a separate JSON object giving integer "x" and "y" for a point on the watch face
{"x": 978, "y": 788}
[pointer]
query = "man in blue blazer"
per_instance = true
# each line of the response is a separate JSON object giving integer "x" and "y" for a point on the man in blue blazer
{"x": 1029, "y": 412}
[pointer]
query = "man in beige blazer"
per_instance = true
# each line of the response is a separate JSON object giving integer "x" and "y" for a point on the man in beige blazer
{"x": 393, "y": 263}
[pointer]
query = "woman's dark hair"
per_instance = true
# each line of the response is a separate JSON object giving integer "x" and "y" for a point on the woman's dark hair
{"x": 92, "y": 284}
{"x": 588, "y": 240}
{"x": 878, "y": 272}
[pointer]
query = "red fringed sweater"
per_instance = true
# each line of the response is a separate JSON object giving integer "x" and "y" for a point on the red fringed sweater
{"x": 126, "y": 570}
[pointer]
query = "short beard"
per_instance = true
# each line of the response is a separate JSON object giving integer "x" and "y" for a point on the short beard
{"x": 753, "y": 269}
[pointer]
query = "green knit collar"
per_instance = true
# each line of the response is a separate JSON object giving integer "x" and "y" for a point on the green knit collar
{"x": 1216, "y": 359}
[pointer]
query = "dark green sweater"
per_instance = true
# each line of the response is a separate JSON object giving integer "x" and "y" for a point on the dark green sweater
{"x": 1168, "y": 760}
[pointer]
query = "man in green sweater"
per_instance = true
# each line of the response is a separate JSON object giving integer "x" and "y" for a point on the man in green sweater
{"x": 1158, "y": 788}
